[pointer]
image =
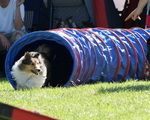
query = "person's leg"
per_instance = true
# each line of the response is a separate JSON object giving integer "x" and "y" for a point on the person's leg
{"x": 2, "y": 48}
{"x": 148, "y": 50}
{"x": 12, "y": 37}
{"x": 3, "y": 53}
{"x": 147, "y": 74}
{"x": 2, "y": 63}
{"x": 16, "y": 35}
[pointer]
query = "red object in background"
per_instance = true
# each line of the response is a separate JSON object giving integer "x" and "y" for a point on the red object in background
{"x": 147, "y": 21}
{"x": 14, "y": 113}
{"x": 100, "y": 13}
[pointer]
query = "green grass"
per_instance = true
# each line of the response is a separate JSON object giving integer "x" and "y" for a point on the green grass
{"x": 103, "y": 101}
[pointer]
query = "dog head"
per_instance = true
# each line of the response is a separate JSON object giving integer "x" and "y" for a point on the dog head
{"x": 31, "y": 63}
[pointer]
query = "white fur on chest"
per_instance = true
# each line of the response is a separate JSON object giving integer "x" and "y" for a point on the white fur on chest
{"x": 28, "y": 80}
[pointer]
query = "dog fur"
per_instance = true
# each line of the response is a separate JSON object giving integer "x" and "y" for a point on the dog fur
{"x": 32, "y": 70}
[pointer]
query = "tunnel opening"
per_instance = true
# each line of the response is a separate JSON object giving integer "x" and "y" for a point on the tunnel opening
{"x": 60, "y": 59}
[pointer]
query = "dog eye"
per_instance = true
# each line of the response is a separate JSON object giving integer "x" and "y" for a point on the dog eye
{"x": 32, "y": 63}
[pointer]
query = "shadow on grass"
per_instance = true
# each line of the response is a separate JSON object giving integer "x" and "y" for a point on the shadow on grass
{"x": 127, "y": 88}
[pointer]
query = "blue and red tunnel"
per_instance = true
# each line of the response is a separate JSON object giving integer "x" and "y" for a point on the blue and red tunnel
{"x": 82, "y": 55}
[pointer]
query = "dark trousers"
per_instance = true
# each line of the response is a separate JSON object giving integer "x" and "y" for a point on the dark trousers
{"x": 2, "y": 62}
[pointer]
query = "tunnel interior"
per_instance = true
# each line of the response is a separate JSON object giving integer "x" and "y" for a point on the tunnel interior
{"x": 60, "y": 59}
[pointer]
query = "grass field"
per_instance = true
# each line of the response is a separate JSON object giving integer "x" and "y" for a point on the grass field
{"x": 102, "y": 101}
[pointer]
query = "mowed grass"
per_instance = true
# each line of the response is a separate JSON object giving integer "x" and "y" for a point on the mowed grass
{"x": 102, "y": 101}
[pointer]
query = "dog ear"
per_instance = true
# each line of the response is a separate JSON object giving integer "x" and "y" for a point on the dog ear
{"x": 36, "y": 55}
{"x": 27, "y": 58}
{"x": 27, "y": 55}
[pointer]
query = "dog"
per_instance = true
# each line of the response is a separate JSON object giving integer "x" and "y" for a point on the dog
{"x": 32, "y": 70}
{"x": 66, "y": 23}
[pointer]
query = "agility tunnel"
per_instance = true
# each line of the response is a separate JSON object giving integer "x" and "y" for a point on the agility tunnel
{"x": 80, "y": 56}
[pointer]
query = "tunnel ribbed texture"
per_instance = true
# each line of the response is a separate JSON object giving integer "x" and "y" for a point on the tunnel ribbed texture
{"x": 99, "y": 54}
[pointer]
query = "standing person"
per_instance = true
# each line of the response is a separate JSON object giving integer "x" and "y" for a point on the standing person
{"x": 11, "y": 23}
{"x": 135, "y": 14}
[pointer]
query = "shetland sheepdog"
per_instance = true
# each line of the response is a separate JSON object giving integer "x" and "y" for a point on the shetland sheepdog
{"x": 33, "y": 69}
